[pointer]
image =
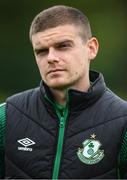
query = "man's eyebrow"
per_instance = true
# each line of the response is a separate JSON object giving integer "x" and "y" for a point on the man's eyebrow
{"x": 63, "y": 41}
{"x": 54, "y": 44}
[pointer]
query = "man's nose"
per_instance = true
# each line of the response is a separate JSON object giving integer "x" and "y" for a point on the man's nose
{"x": 52, "y": 55}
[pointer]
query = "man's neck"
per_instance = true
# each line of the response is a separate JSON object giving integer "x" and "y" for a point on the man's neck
{"x": 60, "y": 96}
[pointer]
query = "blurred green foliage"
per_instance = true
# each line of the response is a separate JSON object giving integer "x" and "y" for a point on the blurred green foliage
{"x": 18, "y": 70}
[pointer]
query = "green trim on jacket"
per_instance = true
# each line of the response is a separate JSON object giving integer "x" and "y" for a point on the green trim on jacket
{"x": 2, "y": 125}
{"x": 2, "y": 139}
{"x": 62, "y": 113}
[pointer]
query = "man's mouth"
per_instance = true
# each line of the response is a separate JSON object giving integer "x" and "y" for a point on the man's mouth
{"x": 55, "y": 71}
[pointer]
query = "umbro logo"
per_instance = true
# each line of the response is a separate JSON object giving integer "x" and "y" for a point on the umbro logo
{"x": 25, "y": 142}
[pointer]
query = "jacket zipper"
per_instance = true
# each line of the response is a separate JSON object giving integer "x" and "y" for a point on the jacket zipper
{"x": 62, "y": 124}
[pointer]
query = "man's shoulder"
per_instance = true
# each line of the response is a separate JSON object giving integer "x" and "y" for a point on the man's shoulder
{"x": 114, "y": 104}
{"x": 21, "y": 96}
{"x": 115, "y": 99}
{"x": 23, "y": 99}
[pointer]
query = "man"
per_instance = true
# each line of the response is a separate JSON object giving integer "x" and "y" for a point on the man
{"x": 72, "y": 126}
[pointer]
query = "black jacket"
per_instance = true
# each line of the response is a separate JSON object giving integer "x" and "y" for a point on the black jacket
{"x": 95, "y": 125}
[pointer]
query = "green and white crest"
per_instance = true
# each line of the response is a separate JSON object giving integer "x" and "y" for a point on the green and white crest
{"x": 90, "y": 153}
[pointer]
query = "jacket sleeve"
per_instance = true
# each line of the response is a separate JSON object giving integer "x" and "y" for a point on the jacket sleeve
{"x": 123, "y": 159}
{"x": 2, "y": 139}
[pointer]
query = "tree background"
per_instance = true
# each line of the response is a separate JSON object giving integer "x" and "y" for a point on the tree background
{"x": 18, "y": 70}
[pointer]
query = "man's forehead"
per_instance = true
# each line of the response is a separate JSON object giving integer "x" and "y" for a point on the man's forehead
{"x": 52, "y": 41}
{"x": 54, "y": 35}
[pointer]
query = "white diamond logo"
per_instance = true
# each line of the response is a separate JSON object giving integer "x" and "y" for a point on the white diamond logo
{"x": 26, "y": 142}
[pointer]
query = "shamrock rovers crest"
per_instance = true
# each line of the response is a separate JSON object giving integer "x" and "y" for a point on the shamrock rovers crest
{"x": 90, "y": 153}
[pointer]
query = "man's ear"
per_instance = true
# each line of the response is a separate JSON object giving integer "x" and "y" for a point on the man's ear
{"x": 93, "y": 46}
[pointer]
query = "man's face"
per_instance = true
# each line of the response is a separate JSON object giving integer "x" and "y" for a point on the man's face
{"x": 62, "y": 56}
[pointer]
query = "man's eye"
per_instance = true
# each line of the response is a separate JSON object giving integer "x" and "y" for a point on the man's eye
{"x": 42, "y": 51}
{"x": 63, "y": 46}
